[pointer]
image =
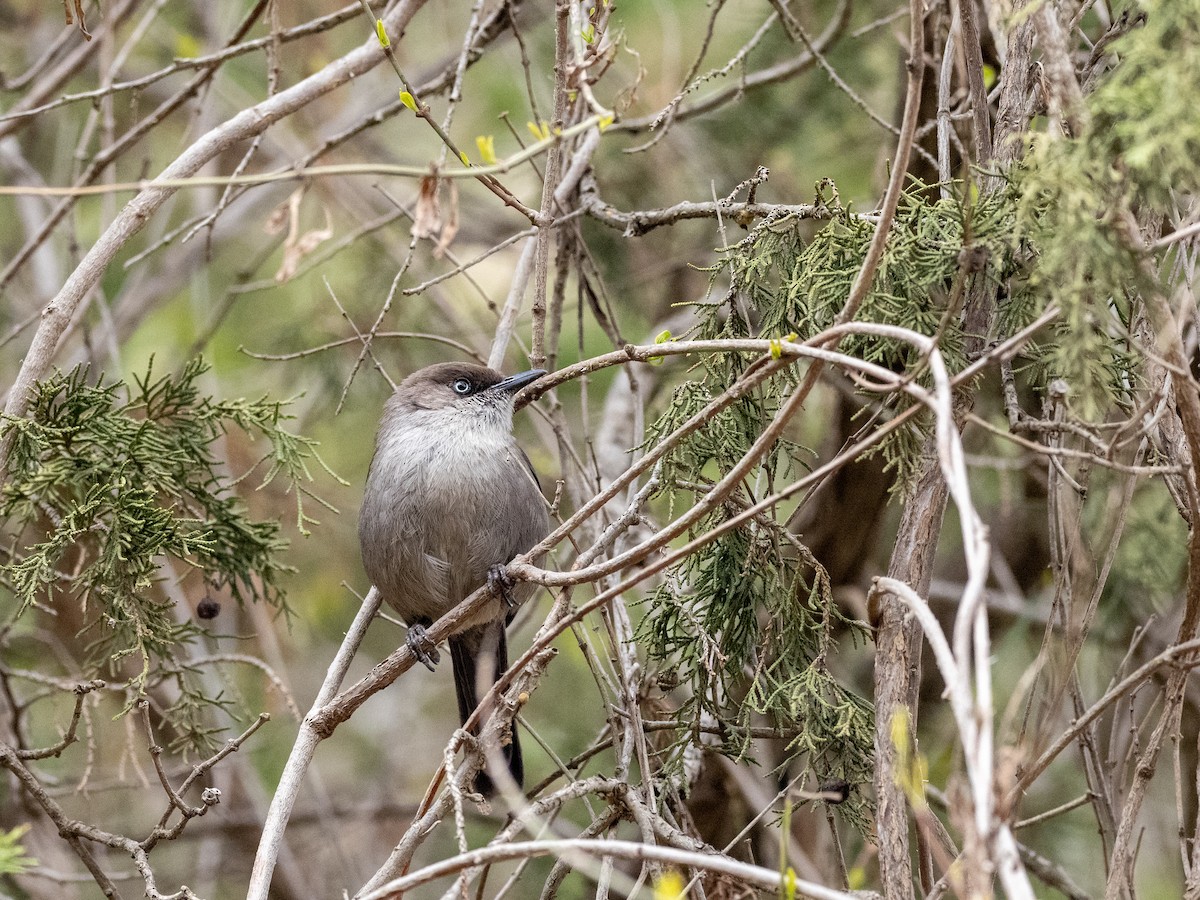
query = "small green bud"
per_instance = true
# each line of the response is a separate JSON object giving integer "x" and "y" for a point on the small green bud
{"x": 662, "y": 337}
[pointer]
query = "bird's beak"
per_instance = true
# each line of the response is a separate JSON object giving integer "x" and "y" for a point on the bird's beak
{"x": 514, "y": 383}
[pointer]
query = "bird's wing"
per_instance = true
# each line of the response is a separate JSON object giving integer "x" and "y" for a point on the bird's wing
{"x": 529, "y": 466}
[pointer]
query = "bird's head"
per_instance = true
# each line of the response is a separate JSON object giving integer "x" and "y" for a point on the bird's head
{"x": 461, "y": 388}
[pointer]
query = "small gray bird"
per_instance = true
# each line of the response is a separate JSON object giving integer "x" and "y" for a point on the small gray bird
{"x": 450, "y": 499}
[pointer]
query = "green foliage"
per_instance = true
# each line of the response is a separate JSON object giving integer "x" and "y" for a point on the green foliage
{"x": 798, "y": 287}
{"x": 1083, "y": 266}
{"x": 790, "y": 285}
{"x": 106, "y": 481}
{"x": 13, "y": 860}
{"x": 1076, "y": 194}
{"x": 747, "y": 621}
{"x": 1158, "y": 76}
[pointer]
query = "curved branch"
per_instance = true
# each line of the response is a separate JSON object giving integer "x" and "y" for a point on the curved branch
{"x": 58, "y": 314}
{"x": 271, "y": 840}
{"x": 769, "y": 879}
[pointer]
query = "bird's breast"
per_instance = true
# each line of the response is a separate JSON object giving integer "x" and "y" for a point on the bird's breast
{"x": 445, "y": 501}
{"x": 437, "y": 466}
{"x": 463, "y": 491}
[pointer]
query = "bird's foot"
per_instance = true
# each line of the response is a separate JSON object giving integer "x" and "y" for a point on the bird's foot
{"x": 422, "y": 647}
{"x": 502, "y": 584}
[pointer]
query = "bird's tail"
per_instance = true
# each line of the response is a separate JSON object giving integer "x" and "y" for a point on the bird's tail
{"x": 480, "y": 656}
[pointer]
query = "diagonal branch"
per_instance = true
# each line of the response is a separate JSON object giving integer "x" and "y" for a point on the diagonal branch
{"x": 58, "y": 314}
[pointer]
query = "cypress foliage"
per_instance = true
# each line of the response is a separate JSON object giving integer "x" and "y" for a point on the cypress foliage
{"x": 108, "y": 479}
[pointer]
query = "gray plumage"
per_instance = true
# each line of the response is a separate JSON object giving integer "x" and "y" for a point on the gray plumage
{"x": 450, "y": 497}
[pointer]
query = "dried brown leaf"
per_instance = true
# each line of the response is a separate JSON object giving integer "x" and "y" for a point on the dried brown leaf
{"x": 427, "y": 222}
{"x": 297, "y": 246}
{"x": 450, "y": 226}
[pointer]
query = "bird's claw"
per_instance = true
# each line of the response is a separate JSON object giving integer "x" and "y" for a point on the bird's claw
{"x": 502, "y": 584}
{"x": 422, "y": 647}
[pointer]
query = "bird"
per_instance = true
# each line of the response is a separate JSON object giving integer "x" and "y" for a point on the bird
{"x": 450, "y": 499}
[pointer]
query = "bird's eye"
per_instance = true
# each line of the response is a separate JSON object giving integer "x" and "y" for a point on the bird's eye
{"x": 462, "y": 386}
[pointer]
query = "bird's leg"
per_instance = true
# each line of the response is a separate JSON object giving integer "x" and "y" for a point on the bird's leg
{"x": 422, "y": 647}
{"x": 502, "y": 584}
